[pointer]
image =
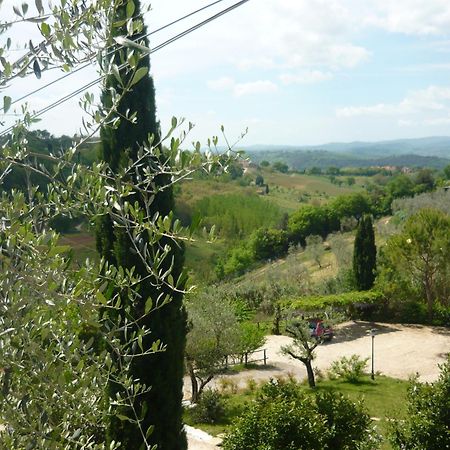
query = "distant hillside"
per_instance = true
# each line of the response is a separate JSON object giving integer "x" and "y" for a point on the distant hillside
{"x": 305, "y": 159}
{"x": 429, "y": 146}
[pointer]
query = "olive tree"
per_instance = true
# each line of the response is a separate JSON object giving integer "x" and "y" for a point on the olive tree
{"x": 315, "y": 249}
{"x": 215, "y": 334}
{"x": 303, "y": 346}
{"x": 66, "y": 330}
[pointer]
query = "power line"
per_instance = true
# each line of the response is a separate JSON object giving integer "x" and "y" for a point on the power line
{"x": 114, "y": 48}
{"x": 159, "y": 47}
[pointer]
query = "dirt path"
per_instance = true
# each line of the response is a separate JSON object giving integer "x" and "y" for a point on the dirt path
{"x": 400, "y": 351}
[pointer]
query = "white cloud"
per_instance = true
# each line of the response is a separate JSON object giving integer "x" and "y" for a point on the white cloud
{"x": 221, "y": 84}
{"x": 433, "y": 98}
{"x": 437, "y": 121}
{"x": 277, "y": 35}
{"x": 313, "y": 76}
{"x": 378, "y": 109}
{"x": 419, "y": 17}
{"x": 254, "y": 87}
{"x": 241, "y": 89}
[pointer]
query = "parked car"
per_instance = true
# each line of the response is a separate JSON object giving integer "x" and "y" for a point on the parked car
{"x": 319, "y": 329}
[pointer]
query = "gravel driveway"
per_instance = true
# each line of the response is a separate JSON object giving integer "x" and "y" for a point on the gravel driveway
{"x": 400, "y": 351}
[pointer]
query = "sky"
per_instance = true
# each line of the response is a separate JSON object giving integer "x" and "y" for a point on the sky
{"x": 294, "y": 72}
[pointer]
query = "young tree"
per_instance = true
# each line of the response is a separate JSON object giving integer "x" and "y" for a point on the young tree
{"x": 135, "y": 126}
{"x": 215, "y": 334}
{"x": 341, "y": 249}
{"x": 259, "y": 180}
{"x": 303, "y": 346}
{"x": 364, "y": 254}
{"x": 315, "y": 249}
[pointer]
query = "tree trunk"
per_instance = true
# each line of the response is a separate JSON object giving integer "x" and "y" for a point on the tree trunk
{"x": 195, "y": 394}
{"x": 310, "y": 372}
{"x": 430, "y": 299}
{"x": 203, "y": 383}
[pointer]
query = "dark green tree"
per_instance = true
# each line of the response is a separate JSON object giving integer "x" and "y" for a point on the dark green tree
{"x": 160, "y": 406}
{"x": 364, "y": 254}
{"x": 446, "y": 171}
{"x": 259, "y": 180}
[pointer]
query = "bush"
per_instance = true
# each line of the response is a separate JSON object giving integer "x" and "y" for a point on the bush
{"x": 350, "y": 369}
{"x": 441, "y": 315}
{"x": 285, "y": 417}
{"x": 210, "y": 407}
{"x": 410, "y": 311}
{"x": 428, "y": 419}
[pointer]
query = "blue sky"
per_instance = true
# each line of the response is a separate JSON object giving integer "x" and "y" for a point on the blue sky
{"x": 296, "y": 71}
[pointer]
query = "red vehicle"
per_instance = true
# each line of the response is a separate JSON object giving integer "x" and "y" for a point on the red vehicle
{"x": 319, "y": 329}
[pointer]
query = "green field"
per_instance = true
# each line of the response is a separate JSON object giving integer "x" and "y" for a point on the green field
{"x": 83, "y": 246}
{"x": 288, "y": 190}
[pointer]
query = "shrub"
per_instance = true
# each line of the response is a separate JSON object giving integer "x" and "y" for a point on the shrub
{"x": 210, "y": 407}
{"x": 285, "y": 417}
{"x": 428, "y": 419}
{"x": 410, "y": 311}
{"x": 350, "y": 369}
{"x": 352, "y": 301}
{"x": 227, "y": 386}
{"x": 441, "y": 315}
{"x": 251, "y": 385}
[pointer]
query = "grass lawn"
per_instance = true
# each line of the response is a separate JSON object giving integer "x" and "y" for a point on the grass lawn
{"x": 385, "y": 398}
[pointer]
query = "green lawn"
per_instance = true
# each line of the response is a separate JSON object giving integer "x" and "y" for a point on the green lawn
{"x": 385, "y": 399}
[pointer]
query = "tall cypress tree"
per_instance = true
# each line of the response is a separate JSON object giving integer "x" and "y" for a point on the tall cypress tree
{"x": 364, "y": 254}
{"x": 163, "y": 371}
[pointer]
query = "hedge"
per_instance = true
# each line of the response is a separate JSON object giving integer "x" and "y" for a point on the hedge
{"x": 349, "y": 300}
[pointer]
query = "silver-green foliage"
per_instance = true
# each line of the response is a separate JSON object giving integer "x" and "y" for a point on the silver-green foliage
{"x": 215, "y": 334}
{"x": 58, "y": 348}
{"x": 351, "y": 369}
